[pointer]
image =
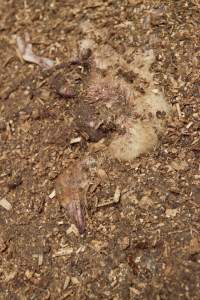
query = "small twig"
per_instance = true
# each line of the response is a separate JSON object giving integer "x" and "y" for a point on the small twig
{"x": 178, "y": 110}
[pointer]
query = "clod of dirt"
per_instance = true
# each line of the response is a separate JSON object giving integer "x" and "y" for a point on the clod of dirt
{"x": 70, "y": 190}
{"x": 171, "y": 212}
{"x": 145, "y": 202}
{"x": 14, "y": 182}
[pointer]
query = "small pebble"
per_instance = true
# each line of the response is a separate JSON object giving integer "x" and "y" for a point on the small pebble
{"x": 15, "y": 181}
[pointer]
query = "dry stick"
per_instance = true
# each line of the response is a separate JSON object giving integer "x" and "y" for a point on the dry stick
{"x": 178, "y": 110}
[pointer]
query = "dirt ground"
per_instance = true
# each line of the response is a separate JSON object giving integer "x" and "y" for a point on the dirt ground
{"x": 141, "y": 239}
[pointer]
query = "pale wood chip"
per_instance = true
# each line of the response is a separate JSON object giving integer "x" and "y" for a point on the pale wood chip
{"x": 5, "y": 204}
{"x": 117, "y": 195}
{"x": 63, "y": 252}
{"x": 66, "y": 283}
{"x": 52, "y": 195}
{"x": 178, "y": 110}
{"x": 75, "y": 140}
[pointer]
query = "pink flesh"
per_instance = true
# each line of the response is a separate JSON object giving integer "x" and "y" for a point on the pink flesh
{"x": 76, "y": 213}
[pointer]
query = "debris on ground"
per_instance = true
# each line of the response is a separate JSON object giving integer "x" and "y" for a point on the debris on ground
{"x": 103, "y": 139}
{"x": 25, "y": 52}
{"x": 5, "y": 204}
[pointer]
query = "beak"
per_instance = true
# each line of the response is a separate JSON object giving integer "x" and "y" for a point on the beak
{"x": 76, "y": 214}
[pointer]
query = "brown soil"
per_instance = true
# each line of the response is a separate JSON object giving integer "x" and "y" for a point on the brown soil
{"x": 144, "y": 244}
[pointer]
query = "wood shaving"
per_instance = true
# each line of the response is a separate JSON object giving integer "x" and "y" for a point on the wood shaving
{"x": 5, "y": 204}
